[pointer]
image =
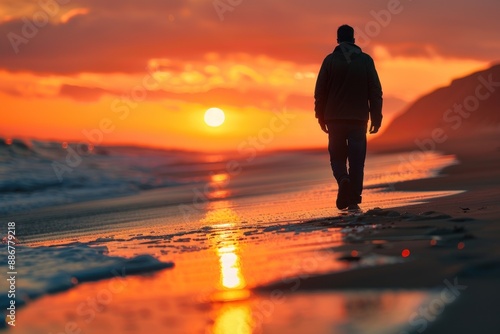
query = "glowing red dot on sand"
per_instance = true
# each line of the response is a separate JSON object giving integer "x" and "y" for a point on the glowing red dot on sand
{"x": 460, "y": 245}
{"x": 433, "y": 242}
{"x": 405, "y": 252}
{"x": 8, "y": 141}
{"x": 64, "y": 145}
{"x": 354, "y": 253}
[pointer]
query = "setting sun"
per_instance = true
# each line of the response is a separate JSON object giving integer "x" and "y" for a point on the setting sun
{"x": 214, "y": 117}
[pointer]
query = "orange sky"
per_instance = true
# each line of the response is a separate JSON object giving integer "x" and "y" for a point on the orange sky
{"x": 144, "y": 72}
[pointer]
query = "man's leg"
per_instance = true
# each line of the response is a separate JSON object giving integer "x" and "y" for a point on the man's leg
{"x": 337, "y": 147}
{"x": 356, "y": 155}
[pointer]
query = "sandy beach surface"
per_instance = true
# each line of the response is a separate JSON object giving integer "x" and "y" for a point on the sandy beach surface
{"x": 477, "y": 264}
{"x": 273, "y": 263}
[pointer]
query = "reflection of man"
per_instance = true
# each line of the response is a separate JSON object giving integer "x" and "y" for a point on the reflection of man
{"x": 348, "y": 93}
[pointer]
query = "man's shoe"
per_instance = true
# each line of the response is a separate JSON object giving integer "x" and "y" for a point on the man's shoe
{"x": 344, "y": 196}
{"x": 353, "y": 207}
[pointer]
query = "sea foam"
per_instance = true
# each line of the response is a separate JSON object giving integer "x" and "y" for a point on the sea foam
{"x": 50, "y": 269}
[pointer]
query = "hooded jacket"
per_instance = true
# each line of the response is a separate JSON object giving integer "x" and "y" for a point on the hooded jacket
{"x": 348, "y": 87}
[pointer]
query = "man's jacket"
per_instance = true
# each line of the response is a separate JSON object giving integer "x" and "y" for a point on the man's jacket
{"x": 348, "y": 87}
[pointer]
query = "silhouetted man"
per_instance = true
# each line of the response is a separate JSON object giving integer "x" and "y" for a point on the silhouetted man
{"x": 348, "y": 93}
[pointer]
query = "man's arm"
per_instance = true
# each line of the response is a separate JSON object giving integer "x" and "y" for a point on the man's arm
{"x": 321, "y": 93}
{"x": 374, "y": 97}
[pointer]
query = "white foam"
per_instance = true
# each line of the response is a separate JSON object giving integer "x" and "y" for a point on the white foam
{"x": 44, "y": 270}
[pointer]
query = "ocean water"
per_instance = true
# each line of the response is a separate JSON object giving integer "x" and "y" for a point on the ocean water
{"x": 196, "y": 211}
{"x": 39, "y": 174}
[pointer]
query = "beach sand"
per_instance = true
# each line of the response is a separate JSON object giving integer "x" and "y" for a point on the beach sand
{"x": 455, "y": 248}
{"x": 478, "y": 263}
{"x": 431, "y": 267}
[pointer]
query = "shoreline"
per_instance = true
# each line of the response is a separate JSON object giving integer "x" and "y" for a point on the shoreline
{"x": 467, "y": 255}
{"x": 428, "y": 268}
{"x": 478, "y": 173}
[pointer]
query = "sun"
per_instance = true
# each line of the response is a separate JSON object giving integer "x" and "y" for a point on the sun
{"x": 214, "y": 117}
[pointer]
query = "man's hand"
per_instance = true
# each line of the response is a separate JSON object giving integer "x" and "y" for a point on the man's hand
{"x": 374, "y": 128}
{"x": 322, "y": 124}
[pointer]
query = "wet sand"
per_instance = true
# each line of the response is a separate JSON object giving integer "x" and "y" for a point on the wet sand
{"x": 451, "y": 245}
{"x": 479, "y": 262}
{"x": 431, "y": 266}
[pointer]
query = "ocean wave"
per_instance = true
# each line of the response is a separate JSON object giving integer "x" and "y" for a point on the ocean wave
{"x": 48, "y": 269}
{"x": 36, "y": 174}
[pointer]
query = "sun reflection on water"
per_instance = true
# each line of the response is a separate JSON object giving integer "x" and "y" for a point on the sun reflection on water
{"x": 217, "y": 186}
{"x": 233, "y": 319}
{"x": 232, "y": 311}
{"x": 225, "y": 242}
{"x": 230, "y": 268}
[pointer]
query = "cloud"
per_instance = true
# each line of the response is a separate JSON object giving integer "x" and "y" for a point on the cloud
{"x": 122, "y": 36}
{"x": 218, "y": 97}
{"x": 72, "y": 13}
{"x": 100, "y": 39}
{"x": 88, "y": 94}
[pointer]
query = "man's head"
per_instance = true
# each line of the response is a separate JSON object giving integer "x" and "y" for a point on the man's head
{"x": 345, "y": 33}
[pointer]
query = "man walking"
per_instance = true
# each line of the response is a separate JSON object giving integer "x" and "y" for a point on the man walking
{"x": 348, "y": 94}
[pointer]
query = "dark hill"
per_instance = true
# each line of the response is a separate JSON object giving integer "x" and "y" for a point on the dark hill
{"x": 463, "y": 112}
